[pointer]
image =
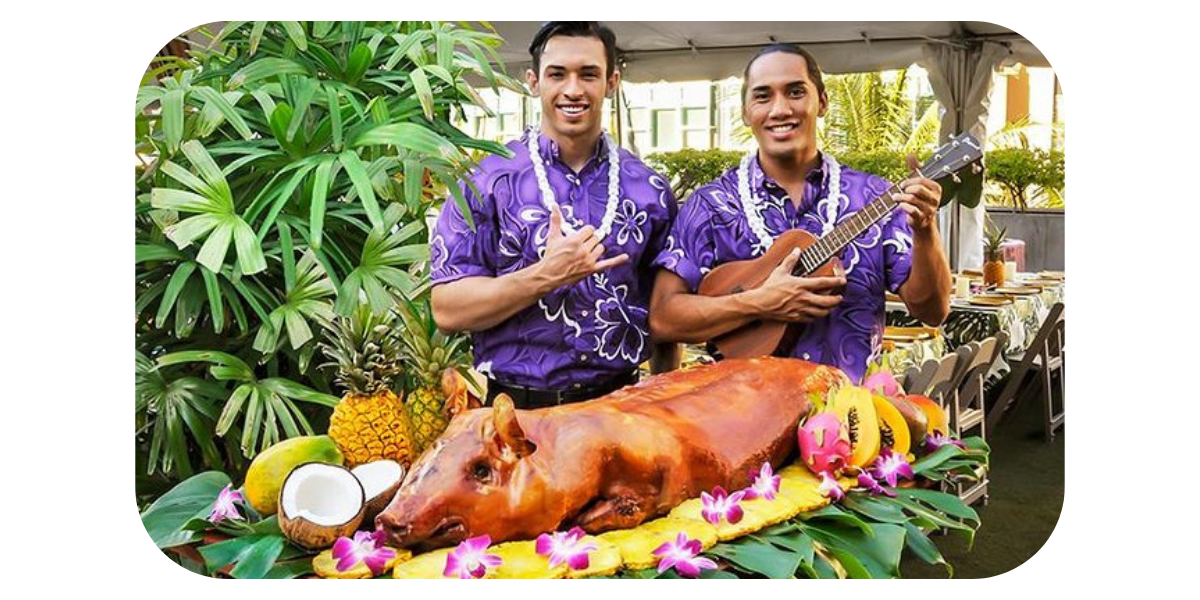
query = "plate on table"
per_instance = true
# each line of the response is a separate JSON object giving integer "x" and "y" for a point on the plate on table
{"x": 1054, "y": 275}
{"x": 1017, "y": 290}
{"x": 908, "y": 334}
{"x": 990, "y": 300}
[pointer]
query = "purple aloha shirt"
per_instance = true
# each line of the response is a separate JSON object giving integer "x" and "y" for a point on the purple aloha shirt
{"x": 712, "y": 230}
{"x": 582, "y": 334}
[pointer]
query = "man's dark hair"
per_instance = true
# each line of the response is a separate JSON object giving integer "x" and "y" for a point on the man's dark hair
{"x": 592, "y": 29}
{"x": 814, "y": 70}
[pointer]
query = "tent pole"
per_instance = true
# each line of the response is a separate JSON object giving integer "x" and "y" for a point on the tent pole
{"x": 616, "y": 104}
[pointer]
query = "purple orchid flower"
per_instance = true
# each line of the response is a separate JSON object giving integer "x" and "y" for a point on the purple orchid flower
{"x": 366, "y": 547}
{"x": 468, "y": 560}
{"x": 938, "y": 439}
{"x": 891, "y": 466}
{"x": 681, "y": 554}
{"x": 721, "y": 506}
{"x": 565, "y": 547}
{"x": 830, "y": 488}
{"x": 766, "y": 484}
{"x": 866, "y": 481}
{"x": 224, "y": 508}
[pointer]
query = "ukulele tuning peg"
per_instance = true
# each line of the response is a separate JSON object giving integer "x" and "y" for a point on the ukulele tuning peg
{"x": 955, "y": 177}
{"x": 976, "y": 169}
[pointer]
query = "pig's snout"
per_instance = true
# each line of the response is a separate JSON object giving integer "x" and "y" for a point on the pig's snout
{"x": 397, "y": 533}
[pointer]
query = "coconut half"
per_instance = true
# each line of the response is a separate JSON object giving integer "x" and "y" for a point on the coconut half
{"x": 380, "y": 481}
{"x": 320, "y": 503}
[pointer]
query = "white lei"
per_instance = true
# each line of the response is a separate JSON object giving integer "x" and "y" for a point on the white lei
{"x": 750, "y": 202}
{"x": 548, "y": 200}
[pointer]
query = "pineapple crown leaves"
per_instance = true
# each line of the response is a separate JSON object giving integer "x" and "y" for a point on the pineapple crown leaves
{"x": 427, "y": 349}
{"x": 365, "y": 348}
{"x": 993, "y": 240}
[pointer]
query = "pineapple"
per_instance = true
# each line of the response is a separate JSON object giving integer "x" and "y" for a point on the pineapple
{"x": 993, "y": 261}
{"x": 434, "y": 361}
{"x": 370, "y": 422}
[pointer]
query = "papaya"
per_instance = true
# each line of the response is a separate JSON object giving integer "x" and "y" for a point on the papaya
{"x": 918, "y": 423}
{"x": 893, "y": 429}
{"x": 271, "y": 467}
{"x": 854, "y": 407}
{"x": 935, "y": 415}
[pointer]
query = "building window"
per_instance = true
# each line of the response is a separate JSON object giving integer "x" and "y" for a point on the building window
{"x": 666, "y": 129}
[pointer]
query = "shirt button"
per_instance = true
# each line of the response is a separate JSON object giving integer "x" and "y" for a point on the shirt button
{"x": 584, "y": 313}
{"x": 805, "y": 356}
{"x": 583, "y": 358}
{"x": 577, "y": 385}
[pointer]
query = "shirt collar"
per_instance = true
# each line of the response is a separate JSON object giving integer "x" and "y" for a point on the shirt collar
{"x": 818, "y": 176}
{"x": 550, "y": 151}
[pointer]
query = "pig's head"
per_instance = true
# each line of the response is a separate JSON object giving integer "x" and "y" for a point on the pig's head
{"x": 480, "y": 477}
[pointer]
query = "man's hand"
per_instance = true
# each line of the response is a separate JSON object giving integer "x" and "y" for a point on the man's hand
{"x": 919, "y": 198}
{"x": 569, "y": 258}
{"x": 785, "y": 297}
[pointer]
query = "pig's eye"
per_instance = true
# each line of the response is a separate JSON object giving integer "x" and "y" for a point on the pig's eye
{"x": 481, "y": 471}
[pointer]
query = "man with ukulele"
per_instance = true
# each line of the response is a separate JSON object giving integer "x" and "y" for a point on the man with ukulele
{"x": 786, "y": 184}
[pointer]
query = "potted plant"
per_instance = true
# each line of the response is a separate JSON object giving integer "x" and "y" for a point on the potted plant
{"x": 993, "y": 265}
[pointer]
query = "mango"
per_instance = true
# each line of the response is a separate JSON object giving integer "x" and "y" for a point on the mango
{"x": 270, "y": 468}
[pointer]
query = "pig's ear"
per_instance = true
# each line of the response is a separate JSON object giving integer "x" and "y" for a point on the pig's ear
{"x": 508, "y": 431}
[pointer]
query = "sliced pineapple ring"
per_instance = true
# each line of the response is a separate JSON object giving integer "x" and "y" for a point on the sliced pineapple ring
{"x": 603, "y": 561}
{"x": 521, "y": 561}
{"x": 324, "y": 565}
{"x": 430, "y": 565}
{"x": 637, "y": 545}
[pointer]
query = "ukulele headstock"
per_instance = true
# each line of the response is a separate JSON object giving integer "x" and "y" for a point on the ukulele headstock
{"x": 960, "y": 152}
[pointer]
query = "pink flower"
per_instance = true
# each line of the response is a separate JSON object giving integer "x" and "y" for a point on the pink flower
{"x": 681, "y": 554}
{"x": 721, "y": 506}
{"x": 565, "y": 547}
{"x": 890, "y": 466}
{"x": 366, "y": 547}
{"x": 223, "y": 508}
{"x": 866, "y": 481}
{"x": 824, "y": 444}
{"x": 830, "y": 488}
{"x": 766, "y": 484}
{"x": 883, "y": 382}
{"x": 468, "y": 560}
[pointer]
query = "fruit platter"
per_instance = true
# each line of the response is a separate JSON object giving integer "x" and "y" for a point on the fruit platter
{"x": 807, "y": 475}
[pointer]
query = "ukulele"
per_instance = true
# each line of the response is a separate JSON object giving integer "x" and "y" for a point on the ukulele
{"x": 818, "y": 257}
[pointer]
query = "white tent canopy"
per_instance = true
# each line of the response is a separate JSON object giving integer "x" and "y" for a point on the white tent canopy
{"x": 959, "y": 56}
{"x": 701, "y": 50}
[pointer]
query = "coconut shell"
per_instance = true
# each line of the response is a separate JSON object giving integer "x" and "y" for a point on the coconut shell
{"x": 377, "y": 503}
{"x": 314, "y": 536}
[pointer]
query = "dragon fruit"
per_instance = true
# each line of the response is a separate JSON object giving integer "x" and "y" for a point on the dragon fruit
{"x": 824, "y": 444}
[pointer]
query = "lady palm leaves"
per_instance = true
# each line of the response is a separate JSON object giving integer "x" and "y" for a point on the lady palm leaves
{"x": 311, "y": 149}
{"x": 304, "y": 301}
{"x": 268, "y": 404}
{"x": 175, "y": 410}
{"x": 384, "y": 251}
{"x": 217, "y": 219}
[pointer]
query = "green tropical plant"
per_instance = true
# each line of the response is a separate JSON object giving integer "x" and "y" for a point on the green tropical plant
{"x": 689, "y": 169}
{"x": 1027, "y": 176}
{"x": 891, "y": 165}
{"x": 868, "y": 113}
{"x": 285, "y": 171}
{"x": 176, "y": 414}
